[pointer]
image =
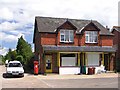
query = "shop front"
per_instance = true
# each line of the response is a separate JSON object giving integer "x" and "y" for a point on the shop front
{"x": 64, "y": 62}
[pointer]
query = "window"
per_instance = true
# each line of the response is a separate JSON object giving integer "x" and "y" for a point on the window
{"x": 62, "y": 35}
{"x": 66, "y": 36}
{"x": 93, "y": 59}
{"x": 91, "y": 36}
{"x": 68, "y": 60}
{"x": 15, "y": 65}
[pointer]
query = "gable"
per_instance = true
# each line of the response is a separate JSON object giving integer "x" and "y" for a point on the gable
{"x": 116, "y": 28}
{"x": 91, "y": 26}
{"x": 67, "y": 25}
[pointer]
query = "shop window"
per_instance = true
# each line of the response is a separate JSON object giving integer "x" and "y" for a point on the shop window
{"x": 68, "y": 60}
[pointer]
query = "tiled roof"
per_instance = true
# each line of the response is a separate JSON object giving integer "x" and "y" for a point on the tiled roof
{"x": 116, "y": 28}
{"x": 79, "y": 48}
{"x": 49, "y": 24}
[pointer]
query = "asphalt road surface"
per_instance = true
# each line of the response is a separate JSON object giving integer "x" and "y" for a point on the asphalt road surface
{"x": 32, "y": 81}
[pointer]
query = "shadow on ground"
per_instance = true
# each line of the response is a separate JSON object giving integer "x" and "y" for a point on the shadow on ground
{"x": 6, "y": 76}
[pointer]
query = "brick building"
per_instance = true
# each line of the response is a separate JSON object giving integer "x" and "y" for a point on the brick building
{"x": 116, "y": 42}
{"x": 64, "y": 45}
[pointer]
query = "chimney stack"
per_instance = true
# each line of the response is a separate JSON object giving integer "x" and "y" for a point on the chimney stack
{"x": 107, "y": 28}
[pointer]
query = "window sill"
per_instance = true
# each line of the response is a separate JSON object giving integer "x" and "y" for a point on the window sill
{"x": 91, "y": 42}
{"x": 68, "y": 66}
{"x": 67, "y": 42}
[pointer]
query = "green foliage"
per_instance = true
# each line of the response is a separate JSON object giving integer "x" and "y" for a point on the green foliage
{"x": 23, "y": 53}
{"x": 29, "y": 67}
{"x": 20, "y": 58}
{"x": 24, "y": 49}
{"x": 1, "y": 59}
{"x": 11, "y": 55}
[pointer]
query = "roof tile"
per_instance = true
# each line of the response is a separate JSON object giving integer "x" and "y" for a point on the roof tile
{"x": 49, "y": 24}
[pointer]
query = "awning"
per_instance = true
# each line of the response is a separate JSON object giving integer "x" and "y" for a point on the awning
{"x": 79, "y": 48}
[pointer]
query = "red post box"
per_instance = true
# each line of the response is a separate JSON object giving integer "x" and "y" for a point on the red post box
{"x": 36, "y": 67}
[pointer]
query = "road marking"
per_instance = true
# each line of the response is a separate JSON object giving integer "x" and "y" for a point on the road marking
{"x": 45, "y": 82}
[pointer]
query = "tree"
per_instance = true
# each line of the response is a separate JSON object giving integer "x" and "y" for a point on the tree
{"x": 11, "y": 55}
{"x": 1, "y": 59}
{"x": 24, "y": 49}
{"x": 20, "y": 58}
{"x": 8, "y": 55}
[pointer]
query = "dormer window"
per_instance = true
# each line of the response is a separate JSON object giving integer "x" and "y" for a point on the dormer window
{"x": 91, "y": 36}
{"x": 66, "y": 35}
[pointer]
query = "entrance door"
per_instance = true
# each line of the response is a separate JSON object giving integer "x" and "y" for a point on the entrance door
{"x": 112, "y": 63}
{"x": 106, "y": 57}
{"x": 48, "y": 59}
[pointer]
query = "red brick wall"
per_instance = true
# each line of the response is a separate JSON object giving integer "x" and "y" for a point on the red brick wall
{"x": 48, "y": 39}
{"x": 76, "y": 39}
{"x": 106, "y": 40}
{"x": 82, "y": 39}
{"x": 116, "y": 41}
{"x": 42, "y": 62}
{"x": 54, "y": 63}
{"x": 79, "y": 40}
{"x": 37, "y": 41}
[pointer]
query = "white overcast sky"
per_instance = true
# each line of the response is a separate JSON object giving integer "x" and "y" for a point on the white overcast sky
{"x": 17, "y": 16}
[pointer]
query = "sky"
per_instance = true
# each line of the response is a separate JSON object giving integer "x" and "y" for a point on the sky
{"x": 17, "y": 16}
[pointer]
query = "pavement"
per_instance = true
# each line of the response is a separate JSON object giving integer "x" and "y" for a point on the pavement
{"x": 104, "y": 80}
{"x": 82, "y": 76}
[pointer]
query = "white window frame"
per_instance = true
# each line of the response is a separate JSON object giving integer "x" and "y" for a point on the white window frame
{"x": 62, "y": 34}
{"x": 91, "y": 35}
{"x": 71, "y": 32}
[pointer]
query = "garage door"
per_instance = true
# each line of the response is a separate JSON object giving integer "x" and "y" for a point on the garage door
{"x": 93, "y": 59}
{"x": 68, "y": 61}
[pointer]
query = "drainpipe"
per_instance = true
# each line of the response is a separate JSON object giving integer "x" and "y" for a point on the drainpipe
{"x": 79, "y": 40}
{"x": 56, "y": 38}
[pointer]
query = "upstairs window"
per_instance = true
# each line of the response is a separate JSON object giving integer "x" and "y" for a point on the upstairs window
{"x": 91, "y": 36}
{"x": 66, "y": 35}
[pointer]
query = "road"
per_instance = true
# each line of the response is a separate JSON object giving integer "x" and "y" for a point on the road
{"x": 83, "y": 83}
{"x": 28, "y": 81}
{"x": 32, "y": 81}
